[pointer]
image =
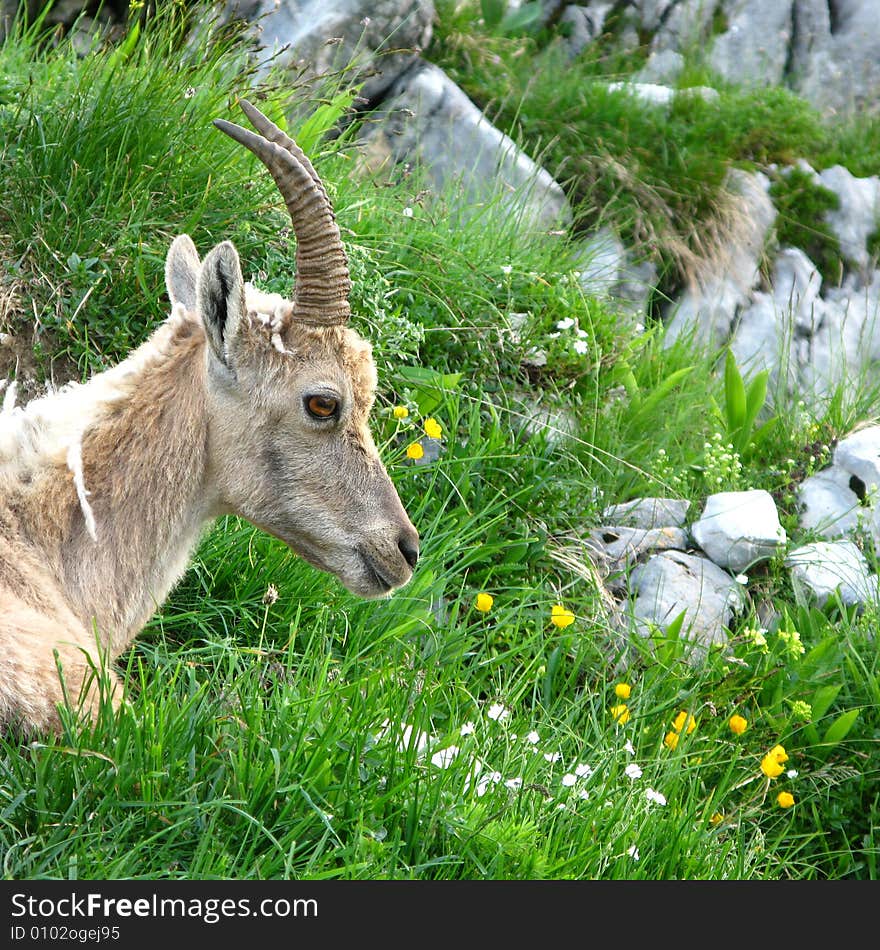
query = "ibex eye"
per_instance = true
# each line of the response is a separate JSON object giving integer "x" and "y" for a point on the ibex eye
{"x": 322, "y": 407}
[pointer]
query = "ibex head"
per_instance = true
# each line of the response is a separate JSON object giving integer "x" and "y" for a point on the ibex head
{"x": 289, "y": 389}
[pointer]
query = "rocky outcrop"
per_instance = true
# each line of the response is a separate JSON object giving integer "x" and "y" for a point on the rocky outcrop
{"x": 372, "y": 41}
{"x": 427, "y": 119}
{"x": 827, "y": 52}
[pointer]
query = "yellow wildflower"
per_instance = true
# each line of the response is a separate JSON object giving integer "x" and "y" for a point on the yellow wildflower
{"x": 484, "y": 602}
{"x": 560, "y": 616}
{"x": 671, "y": 740}
{"x": 716, "y": 819}
{"x": 785, "y": 799}
{"x": 415, "y": 451}
{"x": 620, "y": 712}
{"x": 738, "y": 725}
{"x": 771, "y": 764}
{"x": 679, "y": 722}
{"x": 400, "y": 412}
{"x": 622, "y": 690}
{"x": 432, "y": 428}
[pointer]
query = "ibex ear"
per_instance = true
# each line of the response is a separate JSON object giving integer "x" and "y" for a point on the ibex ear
{"x": 220, "y": 297}
{"x": 182, "y": 271}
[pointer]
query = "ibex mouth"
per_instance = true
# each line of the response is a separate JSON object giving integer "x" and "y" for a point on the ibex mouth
{"x": 375, "y": 575}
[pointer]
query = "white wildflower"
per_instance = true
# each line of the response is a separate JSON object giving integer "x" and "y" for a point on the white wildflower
{"x": 445, "y": 757}
{"x": 583, "y": 771}
{"x": 506, "y": 268}
{"x": 633, "y": 852}
{"x": 484, "y": 781}
{"x": 467, "y": 729}
{"x": 633, "y": 771}
{"x": 628, "y": 747}
{"x": 566, "y": 324}
{"x": 580, "y": 347}
{"x": 407, "y": 212}
{"x": 498, "y": 712}
{"x": 792, "y": 773}
{"x": 657, "y": 797}
{"x": 421, "y": 739}
{"x": 533, "y": 737}
{"x": 552, "y": 756}
{"x": 514, "y": 783}
{"x": 569, "y": 779}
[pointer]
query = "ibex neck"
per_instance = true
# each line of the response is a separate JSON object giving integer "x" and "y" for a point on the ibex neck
{"x": 144, "y": 468}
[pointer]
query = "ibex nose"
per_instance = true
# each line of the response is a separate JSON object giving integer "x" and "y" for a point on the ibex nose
{"x": 409, "y": 548}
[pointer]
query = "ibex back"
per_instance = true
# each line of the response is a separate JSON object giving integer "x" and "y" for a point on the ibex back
{"x": 240, "y": 402}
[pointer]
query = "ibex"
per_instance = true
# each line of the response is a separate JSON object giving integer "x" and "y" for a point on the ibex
{"x": 241, "y": 402}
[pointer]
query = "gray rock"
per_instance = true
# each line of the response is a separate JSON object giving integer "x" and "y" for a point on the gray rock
{"x": 428, "y": 120}
{"x": 860, "y": 302}
{"x": 663, "y": 66}
{"x": 374, "y": 40}
{"x": 708, "y": 309}
{"x": 739, "y": 529}
{"x": 832, "y": 355}
{"x": 647, "y": 513}
{"x": 826, "y": 567}
{"x": 683, "y": 25}
{"x": 672, "y": 582}
{"x": 655, "y": 94}
{"x": 858, "y": 216}
{"x": 835, "y": 55}
{"x": 764, "y": 335}
{"x": 796, "y": 286}
{"x": 828, "y": 505}
{"x": 583, "y": 25}
{"x": 754, "y": 48}
{"x": 859, "y": 455}
{"x": 600, "y": 259}
{"x": 617, "y": 548}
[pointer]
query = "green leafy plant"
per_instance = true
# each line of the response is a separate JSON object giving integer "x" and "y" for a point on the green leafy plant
{"x": 742, "y": 405}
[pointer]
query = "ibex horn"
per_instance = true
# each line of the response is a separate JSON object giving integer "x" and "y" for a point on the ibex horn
{"x": 322, "y": 281}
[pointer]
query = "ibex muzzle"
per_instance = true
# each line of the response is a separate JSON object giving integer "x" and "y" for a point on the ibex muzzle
{"x": 240, "y": 402}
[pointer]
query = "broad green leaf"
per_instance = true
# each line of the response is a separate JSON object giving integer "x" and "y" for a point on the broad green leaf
{"x": 493, "y": 11}
{"x": 429, "y": 386}
{"x": 838, "y": 729}
{"x": 822, "y": 700}
{"x": 734, "y": 395}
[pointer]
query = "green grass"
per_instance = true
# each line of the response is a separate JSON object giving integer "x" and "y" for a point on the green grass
{"x": 270, "y": 738}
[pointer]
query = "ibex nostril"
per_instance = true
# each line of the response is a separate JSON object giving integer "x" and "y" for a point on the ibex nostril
{"x": 410, "y": 551}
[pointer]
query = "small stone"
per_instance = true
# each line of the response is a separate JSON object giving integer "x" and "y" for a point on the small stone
{"x": 826, "y": 567}
{"x": 648, "y": 513}
{"x": 739, "y": 529}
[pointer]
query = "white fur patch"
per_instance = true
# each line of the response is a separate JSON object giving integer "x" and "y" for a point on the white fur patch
{"x": 75, "y": 464}
{"x": 9, "y": 398}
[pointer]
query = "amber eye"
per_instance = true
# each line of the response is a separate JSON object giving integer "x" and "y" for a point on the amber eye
{"x": 322, "y": 407}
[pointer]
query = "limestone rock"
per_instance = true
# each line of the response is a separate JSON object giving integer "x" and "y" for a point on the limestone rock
{"x": 739, "y": 529}
{"x": 647, "y": 513}
{"x": 828, "y": 505}
{"x": 672, "y": 582}
{"x": 427, "y": 119}
{"x": 709, "y": 308}
{"x": 826, "y": 567}
{"x": 374, "y": 40}
{"x": 617, "y": 548}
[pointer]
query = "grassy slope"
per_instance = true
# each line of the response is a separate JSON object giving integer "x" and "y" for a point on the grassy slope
{"x": 268, "y": 738}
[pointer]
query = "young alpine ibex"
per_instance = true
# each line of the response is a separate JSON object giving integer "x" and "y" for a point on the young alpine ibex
{"x": 240, "y": 402}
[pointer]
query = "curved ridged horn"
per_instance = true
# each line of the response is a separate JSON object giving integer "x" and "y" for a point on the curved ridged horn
{"x": 322, "y": 283}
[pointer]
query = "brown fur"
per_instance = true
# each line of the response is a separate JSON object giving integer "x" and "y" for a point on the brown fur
{"x": 206, "y": 418}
